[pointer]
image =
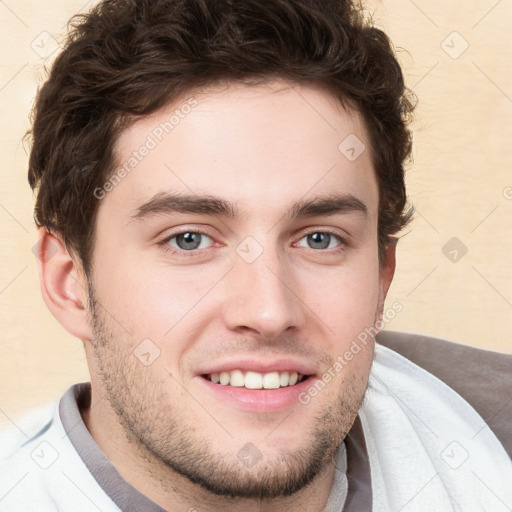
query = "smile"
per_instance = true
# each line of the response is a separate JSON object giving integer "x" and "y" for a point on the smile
{"x": 255, "y": 380}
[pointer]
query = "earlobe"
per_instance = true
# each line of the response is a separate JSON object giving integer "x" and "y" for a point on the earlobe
{"x": 63, "y": 285}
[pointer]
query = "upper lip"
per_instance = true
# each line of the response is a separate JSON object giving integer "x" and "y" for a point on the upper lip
{"x": 259, "y": 365}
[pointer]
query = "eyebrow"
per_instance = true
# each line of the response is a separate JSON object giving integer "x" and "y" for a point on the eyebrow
{"x": 330, "y": 205}
{"x": 163, "y": 203}
{"x": 167, "y": 203}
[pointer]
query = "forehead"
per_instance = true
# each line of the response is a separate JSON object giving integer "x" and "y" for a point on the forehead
{"x": 262, "y": 147}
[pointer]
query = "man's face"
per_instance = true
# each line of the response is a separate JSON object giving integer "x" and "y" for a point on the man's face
{"x": 266, "y": 282}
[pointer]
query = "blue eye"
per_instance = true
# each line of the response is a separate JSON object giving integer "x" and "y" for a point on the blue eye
{"x": 321, "y": 240}
{"x": 189, "y": 241}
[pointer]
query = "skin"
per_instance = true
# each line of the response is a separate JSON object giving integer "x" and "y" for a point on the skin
{"x": 261, "y": 148}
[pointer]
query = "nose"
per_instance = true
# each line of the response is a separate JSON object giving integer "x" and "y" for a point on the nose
{"x": 261, "y": 298}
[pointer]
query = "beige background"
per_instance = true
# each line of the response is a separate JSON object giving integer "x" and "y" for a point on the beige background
{"x": 460, "y": 183}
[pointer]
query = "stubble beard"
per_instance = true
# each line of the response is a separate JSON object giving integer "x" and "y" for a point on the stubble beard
{"x": 165, "y": 439}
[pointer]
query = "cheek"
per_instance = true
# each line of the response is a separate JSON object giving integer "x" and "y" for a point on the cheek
{"x": 155, "y": 301}
{"x": 345, "y": 298}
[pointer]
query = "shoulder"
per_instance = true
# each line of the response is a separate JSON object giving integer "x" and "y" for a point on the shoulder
{"x": 482, "y": 377}
{"x": 22, "y": 433}
{"x": 23, "y": 458}
{"x": 40, "y": 469}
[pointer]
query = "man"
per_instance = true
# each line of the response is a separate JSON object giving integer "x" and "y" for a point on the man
{"x": 219, "y": 189}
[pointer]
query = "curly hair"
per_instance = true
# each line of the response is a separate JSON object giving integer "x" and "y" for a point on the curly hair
{"x": 129, "y": 58}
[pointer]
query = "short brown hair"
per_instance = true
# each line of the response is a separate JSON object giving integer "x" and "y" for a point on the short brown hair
{"x": 128, "y": 58}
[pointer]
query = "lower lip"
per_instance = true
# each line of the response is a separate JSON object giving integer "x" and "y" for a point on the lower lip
{"x": 259, "y": 400}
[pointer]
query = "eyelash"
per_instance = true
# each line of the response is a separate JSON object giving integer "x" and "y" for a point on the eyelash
{"x": 167, "y": 248}
{"x": 341, "y": 240}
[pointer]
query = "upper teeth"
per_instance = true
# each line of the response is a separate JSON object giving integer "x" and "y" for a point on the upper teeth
{"x": 255, "y": 380}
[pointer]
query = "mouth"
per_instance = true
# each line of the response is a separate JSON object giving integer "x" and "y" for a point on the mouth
{"x": 255, "y": 380}
{"x": 257, "y": 385}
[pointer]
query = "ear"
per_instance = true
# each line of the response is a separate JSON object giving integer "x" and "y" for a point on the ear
{"x": 63, "y": 285}
{"x": 387, "y": 269}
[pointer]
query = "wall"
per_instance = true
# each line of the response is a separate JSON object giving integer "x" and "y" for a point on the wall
{"x": 454, "y": 277}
